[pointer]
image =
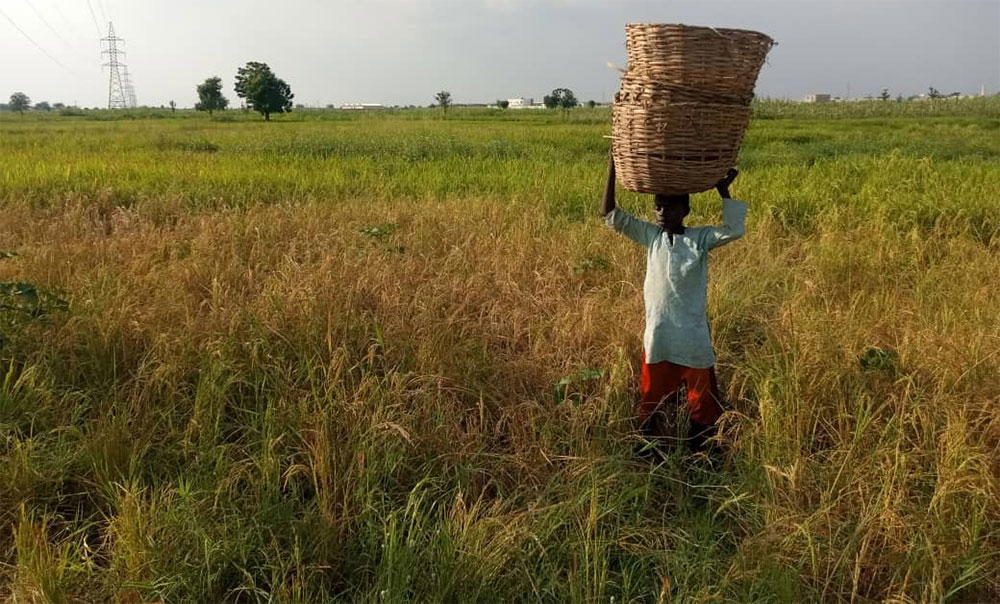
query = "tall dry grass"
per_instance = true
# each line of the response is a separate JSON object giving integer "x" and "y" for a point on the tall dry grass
{"x": 271, "y": 402}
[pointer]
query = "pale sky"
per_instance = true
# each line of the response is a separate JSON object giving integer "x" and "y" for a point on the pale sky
{"x": 403, "y": 51}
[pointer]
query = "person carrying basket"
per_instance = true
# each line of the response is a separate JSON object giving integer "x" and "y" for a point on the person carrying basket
{"x": 678, "y": 358}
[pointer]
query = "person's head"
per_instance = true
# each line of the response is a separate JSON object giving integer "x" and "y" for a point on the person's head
{"x": 671, "y": 210}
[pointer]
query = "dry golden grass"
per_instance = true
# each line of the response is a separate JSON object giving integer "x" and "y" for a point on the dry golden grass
{"x": 442, "y": 341}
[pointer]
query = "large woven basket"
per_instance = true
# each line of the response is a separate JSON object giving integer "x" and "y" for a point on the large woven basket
{"x": 684, "y": 105}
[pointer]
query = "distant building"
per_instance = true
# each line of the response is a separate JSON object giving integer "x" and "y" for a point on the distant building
{"x": 520, "y": 103}
{"x": 817, "y": 98}
{"x": 357, "y": 106}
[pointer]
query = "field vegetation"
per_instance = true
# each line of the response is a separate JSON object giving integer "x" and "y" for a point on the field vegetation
{"x": 393, "y": 357}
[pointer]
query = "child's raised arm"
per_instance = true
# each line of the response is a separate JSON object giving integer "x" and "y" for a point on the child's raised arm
{"x": 723, "y": 185}
{"x": 640, "y": 231}
{"x": 734, "y": 215}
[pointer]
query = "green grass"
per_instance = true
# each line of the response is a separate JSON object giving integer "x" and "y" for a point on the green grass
{"x": 392, "y": 357}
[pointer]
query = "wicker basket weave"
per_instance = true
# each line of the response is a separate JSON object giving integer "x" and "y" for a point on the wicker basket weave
{"x": 683, "y": 105}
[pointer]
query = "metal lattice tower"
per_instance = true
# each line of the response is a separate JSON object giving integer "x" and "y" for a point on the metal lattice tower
{"x": 129, "y": 88}
{"x": 117, "y": 91}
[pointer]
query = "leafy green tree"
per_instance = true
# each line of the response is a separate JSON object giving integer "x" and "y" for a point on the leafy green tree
{"x": 933, "y": 92}
{"x": 562, "y": 98}
{"x": 210, "y": 96}
{"x": 503, "y": 104}
{"x": 885, "y": 96}
{"x": 19, "y": 102}
{"x": 591, "y": 104}
{"x": 568, "y": 101}
{"x": 43, "y": 106}
{"x": 443, "y": 100}
{"x": 173, "y": 106}
{"x": 264, "y": 92}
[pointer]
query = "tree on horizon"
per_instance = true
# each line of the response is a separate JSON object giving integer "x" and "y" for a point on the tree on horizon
{"x": 19, "y": 102}
{"x": 443, "y": 100}
{"x": 210, "y": 96}
{"x": 560, "y": 98}
{"x": 264, "y": 92}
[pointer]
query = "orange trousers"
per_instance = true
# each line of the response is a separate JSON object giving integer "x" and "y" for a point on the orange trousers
{"x": 662, "y": 382}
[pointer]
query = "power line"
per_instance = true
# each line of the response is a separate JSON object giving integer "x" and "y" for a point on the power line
{"x": 46, "y": 22}
{"x": 108, "y": 6}
{"x": 94, "y": 17}
{"x": 61, "y": 14}
{"x": 100, "y": 7}
{"x": 37, "y": 45}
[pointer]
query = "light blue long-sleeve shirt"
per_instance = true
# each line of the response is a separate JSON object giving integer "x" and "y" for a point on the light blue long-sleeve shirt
{"x": 676, "y": 287}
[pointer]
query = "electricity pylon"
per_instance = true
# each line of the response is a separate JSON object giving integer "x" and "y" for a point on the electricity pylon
{"x": 117, "y": 98}
{"x": 129, "y": 88}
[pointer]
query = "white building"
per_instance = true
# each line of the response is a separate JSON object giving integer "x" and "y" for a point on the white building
{"x": 817, "y": 98}
{"x": 362, "y": 106}
{"x": 520, "y": 103}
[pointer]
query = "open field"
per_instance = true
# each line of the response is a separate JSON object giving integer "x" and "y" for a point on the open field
{"x": 319, "y": 358}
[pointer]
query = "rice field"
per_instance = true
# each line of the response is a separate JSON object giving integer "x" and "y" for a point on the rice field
{"x": 390, "y": 357}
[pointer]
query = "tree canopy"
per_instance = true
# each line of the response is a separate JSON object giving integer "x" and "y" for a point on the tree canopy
{"x": 210, "y": 95}
{"x": 562, "y": 98}
{"x": 443, "y": 100}
{"x": 19, "y": 102}
{"x": 264, "y": 92}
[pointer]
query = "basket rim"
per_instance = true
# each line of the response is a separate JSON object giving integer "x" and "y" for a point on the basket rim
{"x": 706, "y": 27}
{"x": 694, "y": 94}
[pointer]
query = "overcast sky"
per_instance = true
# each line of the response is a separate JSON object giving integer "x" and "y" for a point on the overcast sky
{"x": 403, "y": 51}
